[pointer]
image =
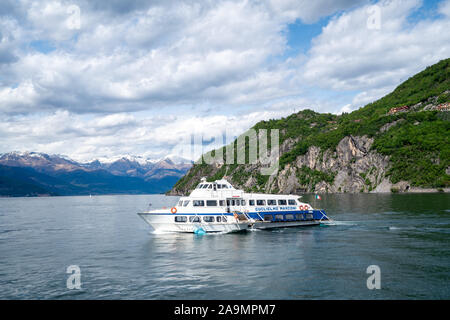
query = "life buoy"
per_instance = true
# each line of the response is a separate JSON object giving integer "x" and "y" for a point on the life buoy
{"x": 173, "y": 210}
{"x": 301, "y": 208}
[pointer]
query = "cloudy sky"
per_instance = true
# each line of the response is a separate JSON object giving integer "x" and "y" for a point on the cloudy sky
{"x": 91, "y": 78}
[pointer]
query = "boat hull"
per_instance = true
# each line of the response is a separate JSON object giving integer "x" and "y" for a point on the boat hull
{"x": 165, "y": 223}
{"x": 284, "y": 224}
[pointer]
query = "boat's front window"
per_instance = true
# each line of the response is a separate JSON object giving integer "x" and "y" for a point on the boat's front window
{"x": 199, "y": 203}
{"x": 186, "y": 202}
{"x": 199, "y": 186}
{"x": 209, "y": 186}
{"x": 194, "y": 219}
{"x": 205, "y": 186}
{"x": 292, "y": 202}
{"x": 180, "y": 219}
{"x": 180, "y": 203}
{"x": 224, "y": 186}
{"x": 211, "y": 203}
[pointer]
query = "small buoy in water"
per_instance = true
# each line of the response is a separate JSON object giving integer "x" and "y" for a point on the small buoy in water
{"x": 199, "y": 231}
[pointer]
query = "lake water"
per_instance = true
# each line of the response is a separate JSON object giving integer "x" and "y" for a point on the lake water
{"x": 406, "y": 235}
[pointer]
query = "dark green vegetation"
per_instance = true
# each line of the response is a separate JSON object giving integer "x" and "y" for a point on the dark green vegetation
{"x": 418, "y": 145}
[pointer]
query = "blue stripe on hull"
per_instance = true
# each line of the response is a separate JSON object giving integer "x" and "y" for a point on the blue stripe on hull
{"x": 316, "y": 214}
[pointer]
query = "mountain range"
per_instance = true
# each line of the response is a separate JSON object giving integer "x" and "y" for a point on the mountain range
{"x": 40, "y": 174}
{"x": 399, "y": 143}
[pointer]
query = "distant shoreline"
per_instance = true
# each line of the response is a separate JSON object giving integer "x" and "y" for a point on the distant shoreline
{"x": 83, "y": 195}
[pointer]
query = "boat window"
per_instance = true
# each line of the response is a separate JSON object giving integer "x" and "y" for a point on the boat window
{"x": 238, "y": 202}
{"x": 219, "y": 219}
{"x": 282, "y": 202}
{"x": 219, "y": 186}
{"x": 251, "y": 202}
{"x": 222, "y": 203}
{"x": 233, "y": 203}
{"x": 268, "y": 217}
{"x": 204, "y": 186}
{"x": 289, "y": 217}
{"x": 209, "y": 186}
{"x": 211, "y": 203}
{"x": 279, "y": 217}
{"x": 261, "y": 202}
{"x": 224, "y": 219}
{"x": 228, "y": 202}
{"x": 198, "y": 203}
{"x": 242, "y": 202}
{"x": 208, "y": 218}
{"x": 292, "y": 202}
{"x": 224, "y": 186}
{"x": 194, "y": 219}
{"x": 180, "y": 219}
{"x": 180, "y": 203}
{"x": 200, "y": 186}
{"x": 186, "y": 202}
{"x": 309, "y": 216}
{"x": 299, "y": 216}
{"x": 271, "y": 202}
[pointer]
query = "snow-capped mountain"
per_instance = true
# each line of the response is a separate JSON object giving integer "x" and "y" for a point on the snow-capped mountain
{"x": 124, "y": 174}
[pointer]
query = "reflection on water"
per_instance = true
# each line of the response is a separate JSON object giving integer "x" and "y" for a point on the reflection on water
{"x": 406, "y": 235}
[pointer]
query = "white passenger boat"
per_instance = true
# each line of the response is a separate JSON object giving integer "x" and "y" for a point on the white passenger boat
{"x": 219, "y": 207}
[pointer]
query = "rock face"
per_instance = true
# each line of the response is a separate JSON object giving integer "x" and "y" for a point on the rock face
{"x": 353, "y": 167}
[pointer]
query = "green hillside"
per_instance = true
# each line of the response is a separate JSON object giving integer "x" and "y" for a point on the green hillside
{"x": 417, "y": 143}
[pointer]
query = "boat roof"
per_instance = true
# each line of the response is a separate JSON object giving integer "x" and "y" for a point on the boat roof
{"x": 224, "y": 189}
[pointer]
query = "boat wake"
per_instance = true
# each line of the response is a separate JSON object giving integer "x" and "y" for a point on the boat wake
{"x": 162, "y": 232}
{"x": 338, "y": 223}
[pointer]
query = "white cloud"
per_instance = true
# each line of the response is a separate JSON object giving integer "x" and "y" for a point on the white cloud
{"x": 85, "y": 137}
{"x": 108, "y": 87}
{"x": 350, "y": 56}
{"x": 444, "y": 8}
